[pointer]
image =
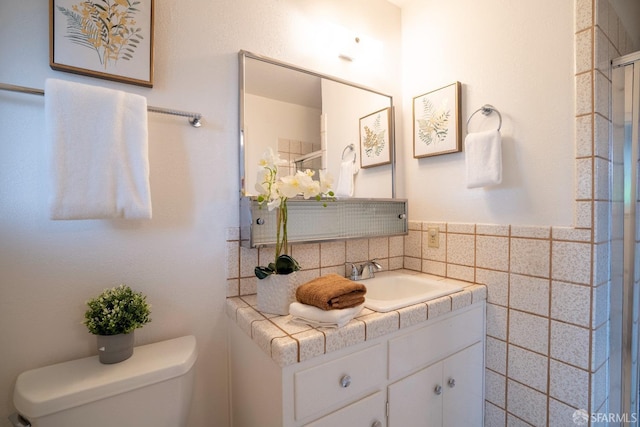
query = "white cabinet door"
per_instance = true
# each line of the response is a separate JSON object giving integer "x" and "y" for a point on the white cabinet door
{"x": 416, "y": 400}
{"x": 463, "y": 388}
{"x": 448, "y": 393}
{"x": 367, "y": 412}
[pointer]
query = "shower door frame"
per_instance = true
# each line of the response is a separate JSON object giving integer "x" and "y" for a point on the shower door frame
{"x": 625, "y": 250}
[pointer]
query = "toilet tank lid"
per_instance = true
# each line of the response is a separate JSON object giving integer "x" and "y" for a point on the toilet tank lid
{"x": 54, "y": 388}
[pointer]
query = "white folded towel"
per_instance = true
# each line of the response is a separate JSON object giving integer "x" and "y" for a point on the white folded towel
{"x": 345, "y": 187}
{"x": 99, "y": 151}
{"x": 315, "y": 316}
{"x": 483, "y": 158}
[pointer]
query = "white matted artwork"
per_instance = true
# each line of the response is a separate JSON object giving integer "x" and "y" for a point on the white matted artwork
{"x": 375, "y": 139}
{"x": 436, "y": 122}
{"x": 101, "y": 38}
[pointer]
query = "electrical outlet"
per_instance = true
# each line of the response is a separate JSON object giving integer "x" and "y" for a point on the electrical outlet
{"x": 433, "y": 236}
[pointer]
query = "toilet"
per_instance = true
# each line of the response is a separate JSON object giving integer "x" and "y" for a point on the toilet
{"x": 151, "y": 388}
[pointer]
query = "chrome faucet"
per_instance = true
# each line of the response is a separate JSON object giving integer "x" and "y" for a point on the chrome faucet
{"x": 364, "y": 271}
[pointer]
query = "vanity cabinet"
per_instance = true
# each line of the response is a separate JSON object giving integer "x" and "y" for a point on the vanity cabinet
{"x": 447, "y": 393}
{"x": 387, "y": 381}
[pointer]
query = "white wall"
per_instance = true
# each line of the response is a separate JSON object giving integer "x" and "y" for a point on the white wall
{"x": 266, "y": 122}
{"x": 517, "y": 56}
{"x": 344, "y": 106}
{"x": 49, "y": 269}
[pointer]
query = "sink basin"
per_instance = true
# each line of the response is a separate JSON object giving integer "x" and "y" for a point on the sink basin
{"x": 391, "y": 290}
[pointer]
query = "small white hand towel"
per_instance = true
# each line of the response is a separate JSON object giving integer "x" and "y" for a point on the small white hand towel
{"x": 315, "y": 316}
{"x": 99, "y": 152}
{"x": 345, "y": 187}
{"x": 483, "y": 158}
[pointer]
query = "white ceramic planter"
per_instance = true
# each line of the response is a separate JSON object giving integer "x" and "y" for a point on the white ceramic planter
{"x": 276, "y": 292}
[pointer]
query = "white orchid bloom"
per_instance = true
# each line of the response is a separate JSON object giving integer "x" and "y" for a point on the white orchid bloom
{"x": 275, "y": 190}
{"x": 274, "y": 203}
{"x": 263, "y": 181}
{"x": 308, "y": 187}
{"x": 326, "y": 182}
{"x": 290, "y": 186}
{"x": 268, "y": 159}
{"x": 311, "y": 190}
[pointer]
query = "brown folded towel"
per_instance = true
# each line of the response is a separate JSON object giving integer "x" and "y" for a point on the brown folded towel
{"x": 331, "y": 292}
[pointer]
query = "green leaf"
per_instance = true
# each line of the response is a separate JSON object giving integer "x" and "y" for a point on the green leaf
{"x": 286, "y": 265}
{"x": 262, "y": 272}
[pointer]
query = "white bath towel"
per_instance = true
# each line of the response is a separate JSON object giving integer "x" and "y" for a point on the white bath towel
{"x": 98, "y": 143}
{"x": 345, "y": 187}
{"x": 315, "y": 316}
{"x": 483, "y": 158}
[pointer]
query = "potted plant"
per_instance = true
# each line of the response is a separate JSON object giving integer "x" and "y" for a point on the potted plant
{"x": 277, "y": 284}
{"x": 113, "y": 316}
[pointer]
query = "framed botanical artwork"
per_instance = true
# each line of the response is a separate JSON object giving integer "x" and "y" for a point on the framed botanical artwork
{"x": 108, "y": 39}
{"x": 436, "y": 122}
{"x": 375, "y": 140}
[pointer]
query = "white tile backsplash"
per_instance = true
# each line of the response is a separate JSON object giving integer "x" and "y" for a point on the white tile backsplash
{"x": 569, "y": 384}
{"x": 529, "y": 331}
{"x": 530, "y": 257}
{"x": 528, "y": 368}
{"x": 571, "y": 262}
{"x": 530, "y": 294}
{"x": 496, "y": 355}
{"x": 492, "y": 252}
{"x": 567, "y": 344}
{"x": 527, "y": 404}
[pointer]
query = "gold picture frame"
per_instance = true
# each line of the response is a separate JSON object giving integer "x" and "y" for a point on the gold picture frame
{"x": 107, "y": 39}
{"x": 375, "y": 138}
{"x": 436, "y": 122}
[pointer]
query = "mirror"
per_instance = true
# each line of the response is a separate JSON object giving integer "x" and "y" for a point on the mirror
{"x": 314, "y": 122}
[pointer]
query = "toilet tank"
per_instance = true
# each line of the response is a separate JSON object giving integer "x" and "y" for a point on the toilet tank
{"x": 151, "y": 388}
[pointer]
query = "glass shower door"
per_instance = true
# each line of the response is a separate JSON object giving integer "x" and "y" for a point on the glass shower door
{"x": 625, "y": 241}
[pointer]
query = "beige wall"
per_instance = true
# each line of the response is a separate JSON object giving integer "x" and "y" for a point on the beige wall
{"x": 49, "y": 269}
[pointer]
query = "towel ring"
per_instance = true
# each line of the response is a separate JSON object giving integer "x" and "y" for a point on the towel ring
{"x": 352, "y": 148}
{"x": 486, "y": 110}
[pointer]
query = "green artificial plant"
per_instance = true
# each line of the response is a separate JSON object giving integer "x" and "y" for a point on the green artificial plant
{"x": 118, "y": 310}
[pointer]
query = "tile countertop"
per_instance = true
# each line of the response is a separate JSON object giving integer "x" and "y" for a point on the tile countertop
{"x": 289, "y": 342}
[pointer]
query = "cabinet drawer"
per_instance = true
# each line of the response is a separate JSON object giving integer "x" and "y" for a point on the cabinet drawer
{"x": 338, "y": 381}
{"x": 363, "y": 413}
{"x": 434, "y": 342}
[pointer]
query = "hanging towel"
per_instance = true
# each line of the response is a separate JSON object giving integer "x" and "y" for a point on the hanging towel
{"x": 331, "y": 292}
{"x": 345, "y": 187}
{"x": 98, "y": 143}
{"x": 315, "y": 316}
{"x": 483, "y": 158}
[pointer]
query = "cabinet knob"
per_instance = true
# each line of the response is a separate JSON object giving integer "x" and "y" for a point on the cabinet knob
{"x": 260, "y": 221}
{"x": 376, "y": 424}
{"x": 451, "y": 382}
{"x": 345, "y": 381}
{"x": 438, "y": 390}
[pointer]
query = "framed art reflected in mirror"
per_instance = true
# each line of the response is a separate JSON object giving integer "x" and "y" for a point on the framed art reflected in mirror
{"x": 374, "y": 139}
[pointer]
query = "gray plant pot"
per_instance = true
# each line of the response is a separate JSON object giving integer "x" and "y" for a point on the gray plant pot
{"x": 114, "y": 348}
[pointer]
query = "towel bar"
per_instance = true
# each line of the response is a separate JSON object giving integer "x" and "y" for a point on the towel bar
{"x": 194, "y": 118}
{"x": 486, "y": 109}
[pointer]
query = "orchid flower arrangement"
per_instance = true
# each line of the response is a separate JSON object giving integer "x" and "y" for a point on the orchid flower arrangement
{"x": 274, "y": 191}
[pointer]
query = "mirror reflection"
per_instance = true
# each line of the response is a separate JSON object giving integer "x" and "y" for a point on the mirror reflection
{"x": 314, "y": 122}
